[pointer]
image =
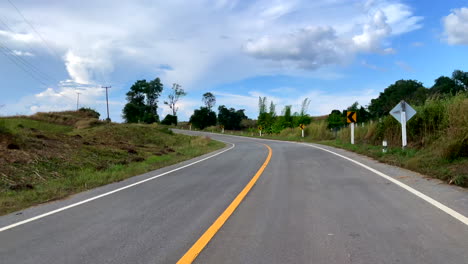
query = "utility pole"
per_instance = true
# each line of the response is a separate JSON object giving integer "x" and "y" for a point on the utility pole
{"x": 107, "y": 100}
{"x": 77, "y": 101}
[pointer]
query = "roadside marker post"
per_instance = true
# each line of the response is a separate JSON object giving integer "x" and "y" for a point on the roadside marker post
{"x": 260, "y": 128}
{"x": 301, "y": 126}
{"x": 351, "y": 118}
{"x": 403, "y": 112}
{"x": 190, "y": 126}
{"x": 222, "y": 129}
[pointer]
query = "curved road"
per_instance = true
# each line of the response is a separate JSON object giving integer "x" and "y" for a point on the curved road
{"x": 308, "y": 206}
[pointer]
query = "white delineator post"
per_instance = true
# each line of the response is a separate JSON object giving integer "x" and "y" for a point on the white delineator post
{"x": 352, "y": 133}
{"x": 403, "y": 129}
{"x": 302, "y": 132}
{"x": 222, "y": 130}
{"x": 190, "y": 127}
{"x": 260, "y": 132}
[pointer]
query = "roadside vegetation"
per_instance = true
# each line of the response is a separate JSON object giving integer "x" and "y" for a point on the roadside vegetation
{"x": 437, "y": 134}
{"x": 49, "y": 156}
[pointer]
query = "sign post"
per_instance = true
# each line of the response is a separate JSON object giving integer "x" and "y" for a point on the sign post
{"x": 222, "y": 129}
{"x": 302, "y": 129}
{"x": 190, "y": 126}
{"x": 260, "y": 128}
{"x": 403, "y": 112}
{"x": 351, "y": 118}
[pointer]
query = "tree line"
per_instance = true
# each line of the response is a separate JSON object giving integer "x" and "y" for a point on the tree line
{"x": 142, "y": 102}
{"x": 412, "y": 91}
{"x": 229, "y": 118}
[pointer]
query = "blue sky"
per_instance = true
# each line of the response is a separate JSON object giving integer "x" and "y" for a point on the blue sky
{"x": 334, "y": 52}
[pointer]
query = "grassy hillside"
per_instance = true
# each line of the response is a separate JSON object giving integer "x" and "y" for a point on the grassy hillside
{"x": 49, "y": 156}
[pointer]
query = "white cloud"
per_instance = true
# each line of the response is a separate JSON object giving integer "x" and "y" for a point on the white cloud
{"x": 373, "y": 32}
{"x": 312, "y": 47}
{"x": 22, "y": 53}
{"x": 456, "y": 26}
{"x": 288, "y": 37}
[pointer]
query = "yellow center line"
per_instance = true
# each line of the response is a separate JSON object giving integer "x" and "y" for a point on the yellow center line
{"x": 201, "y": 243}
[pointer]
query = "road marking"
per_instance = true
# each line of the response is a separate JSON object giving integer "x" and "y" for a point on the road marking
{"x": 419, "y": 194}
{"x": 193, "y": 252}
{"x": 111, "y": 192}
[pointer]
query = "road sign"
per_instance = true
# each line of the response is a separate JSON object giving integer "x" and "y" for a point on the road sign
{"x": 260, "y": 128}
{"x": 351, "y": 117}
{"x": 402, "y": 107}
{"x": 302, "y": 126}
{"x": 403, "y": 112}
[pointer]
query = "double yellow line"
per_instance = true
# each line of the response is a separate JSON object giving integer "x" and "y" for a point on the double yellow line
{"x": 201, "y": 243}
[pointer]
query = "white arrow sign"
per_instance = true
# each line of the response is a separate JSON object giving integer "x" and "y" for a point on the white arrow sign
{"x": 403, "y": 112}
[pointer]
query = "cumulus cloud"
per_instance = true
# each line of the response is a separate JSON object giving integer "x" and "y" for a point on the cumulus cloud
{"x": 180, "y": 41}
{"x": 312, "y": 47}
{"x": 456, "y": 26}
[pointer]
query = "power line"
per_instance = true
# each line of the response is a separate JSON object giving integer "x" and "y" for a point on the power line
{"x": 28, "y": 64}
{"x": 33, "y": 28}
{"x": 26, "y": 70}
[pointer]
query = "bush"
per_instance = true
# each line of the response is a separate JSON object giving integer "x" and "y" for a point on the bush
{"x": 169, "y": 120}
{"x": 90, "y": 112}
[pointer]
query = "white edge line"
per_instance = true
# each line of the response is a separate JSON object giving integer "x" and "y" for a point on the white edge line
{"x": 419, "y": 194}
{"x": 111, "y": 192}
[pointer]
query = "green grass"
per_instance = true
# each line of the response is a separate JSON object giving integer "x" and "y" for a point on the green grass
{"x": 54, "y": 161}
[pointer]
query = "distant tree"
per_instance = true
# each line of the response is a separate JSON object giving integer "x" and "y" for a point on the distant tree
{"x": 209, "y": 100}
{"x": 142, "y": 103}
{"x": 304, "y": 107}
{"x": 272, "y": 109}
{"x": 335, "y": 119}
{"x": 203, "y": 117}
{"x": 262, "y": 105}
{"x": 461, "y": 78}
{"x": 169, "y": 120}
{"x": 287, "y": 117}
{"x": 362, "y": 114}
{"x": 302, "y": 117}
{"x": 266, "y": 119}
{"x": 172, "y": 99}
{"x": 230, "y": 118}
{"x": 445, "y": 85}
{"x": 408, "y": 90}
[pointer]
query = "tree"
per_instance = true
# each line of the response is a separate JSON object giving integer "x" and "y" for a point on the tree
{"x": 230, "y": 118}
{"x": 203, "y": 117}
{"x": 174, "y": 97}
{"x": 266, "y": 119}
{"x": 445, "y": 85}
{"x": 335, "y": 119}
{"x": 169, "y": 120}
{"x": 408, "y": 90}
{"x": 142, "y": 103}
{"x": 302, "y": 117}
{"x": 209, "y": 100}
{"x": 461, "y": 78}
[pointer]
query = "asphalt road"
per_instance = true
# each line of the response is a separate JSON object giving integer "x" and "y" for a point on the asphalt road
{"x": 308, "y": 206}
